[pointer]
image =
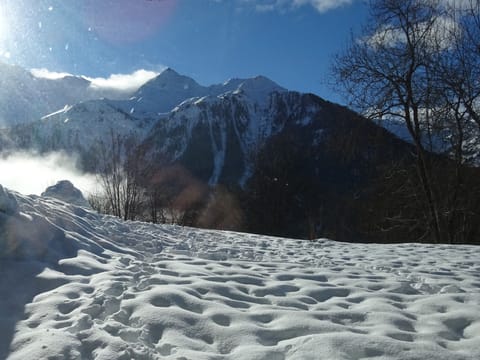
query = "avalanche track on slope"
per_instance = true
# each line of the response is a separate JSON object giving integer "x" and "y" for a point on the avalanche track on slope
{"x": 78, "y": 285}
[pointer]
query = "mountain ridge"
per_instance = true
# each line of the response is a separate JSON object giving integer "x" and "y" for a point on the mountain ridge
{"x": 26, "y": 96}
{"x": 173, "y": 115}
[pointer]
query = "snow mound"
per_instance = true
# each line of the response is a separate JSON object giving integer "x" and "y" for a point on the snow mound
{"x": 142, "y": 291}
{"x": 29, "y": 236}
{"x": 65, "y": 191}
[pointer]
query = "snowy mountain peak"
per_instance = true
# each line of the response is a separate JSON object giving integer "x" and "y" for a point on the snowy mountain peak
{"x": 52, "y": 91}
{"x": 169, "y": 80}
{"x": 261, "y": 83}
{"x": 169, "y": 72}
{"x": 259, "y": 88}
{"x": 167, "y": 90}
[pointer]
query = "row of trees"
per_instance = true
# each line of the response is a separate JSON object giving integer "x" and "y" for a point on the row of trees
{"x": 133, "y": 187}
{"x": 418, "y": 62}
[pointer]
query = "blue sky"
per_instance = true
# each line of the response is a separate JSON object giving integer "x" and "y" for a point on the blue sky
{"x": 290, "y": 41}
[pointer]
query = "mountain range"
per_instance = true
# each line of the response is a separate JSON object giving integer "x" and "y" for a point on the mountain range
{"x": 26, "y": 96}
{"x": 214, "y": 131}
{"x": 271, "y": 160}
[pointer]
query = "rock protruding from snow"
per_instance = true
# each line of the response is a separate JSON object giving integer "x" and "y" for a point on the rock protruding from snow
{"x": 65, "y": 191}
{"x": 8, "y": 203}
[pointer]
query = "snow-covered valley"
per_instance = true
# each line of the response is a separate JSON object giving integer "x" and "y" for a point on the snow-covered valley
{"x": 79, "y": 285}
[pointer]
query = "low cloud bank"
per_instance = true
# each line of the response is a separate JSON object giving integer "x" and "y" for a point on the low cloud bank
{"x": 123, "y": 82}
{"x": 32, "y": 173}
{"x": 115, "y": 82}
{"x": 47, "y": 74}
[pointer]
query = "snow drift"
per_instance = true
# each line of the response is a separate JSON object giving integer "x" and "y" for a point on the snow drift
{"x": 79, "y": 285}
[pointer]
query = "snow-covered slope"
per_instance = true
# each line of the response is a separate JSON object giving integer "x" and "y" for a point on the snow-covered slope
{"x": 228, "y": 129}
{"x": 78, "y": 285}
{"x": 85, "y": 124}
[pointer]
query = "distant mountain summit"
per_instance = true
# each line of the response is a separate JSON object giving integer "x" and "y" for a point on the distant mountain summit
{"x": 169, "y": 89}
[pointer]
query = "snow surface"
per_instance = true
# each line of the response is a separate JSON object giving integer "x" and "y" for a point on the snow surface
{"x": 79, "y": 285}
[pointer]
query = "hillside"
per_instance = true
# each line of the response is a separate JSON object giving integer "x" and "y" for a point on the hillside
{"x": 83, "y": 285}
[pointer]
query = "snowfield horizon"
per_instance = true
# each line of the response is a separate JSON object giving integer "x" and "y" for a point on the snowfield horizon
{"x": 80, "y": 285}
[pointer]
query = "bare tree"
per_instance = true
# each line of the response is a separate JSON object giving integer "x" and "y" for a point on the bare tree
{"x": 119, "y": 171}
{"x": 393, "y": 71}
{"x": 467, "y": 55}
{"x": 457, "y": 67}
{"x": 386, "y": 74}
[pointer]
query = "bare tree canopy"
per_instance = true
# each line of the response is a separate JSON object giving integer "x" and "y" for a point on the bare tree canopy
{"x": 417, "y": 62}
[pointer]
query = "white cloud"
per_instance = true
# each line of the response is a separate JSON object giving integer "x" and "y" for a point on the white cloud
{"x": 33, "y": 173}
{"x": 385, "y": 36}
{"x": 459, "y": 4}
{"x": 321, "y": 6}
{"x": 438, "y": 36}
{"x": 265, "y": 7}
{"x": 123, "y": 82}
{"x": 47, "y": 74}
